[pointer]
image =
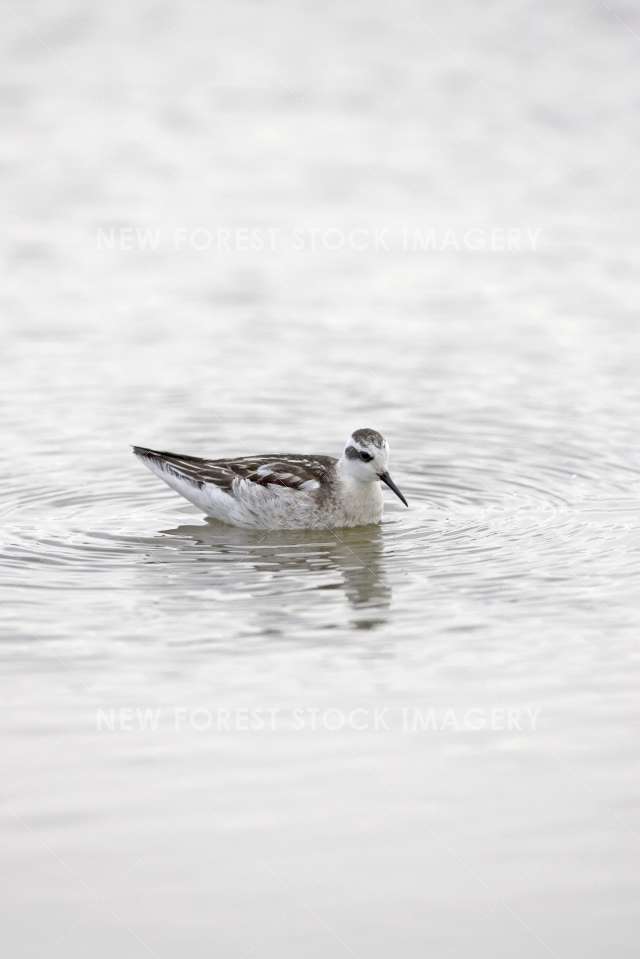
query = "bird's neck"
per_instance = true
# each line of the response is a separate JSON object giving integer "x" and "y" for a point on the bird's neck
{"x": 361, "y": 500}
{"x": 346, "y": 476}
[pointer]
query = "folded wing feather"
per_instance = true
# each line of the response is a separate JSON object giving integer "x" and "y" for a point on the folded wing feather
{"x": 292, "y": 471}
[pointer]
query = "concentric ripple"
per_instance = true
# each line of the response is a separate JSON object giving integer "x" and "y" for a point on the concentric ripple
{"x": 492, "y": 517}
{"x": 524, "y": 502}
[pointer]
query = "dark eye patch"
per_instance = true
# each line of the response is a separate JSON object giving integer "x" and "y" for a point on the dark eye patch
{"x": 367, "y": 457}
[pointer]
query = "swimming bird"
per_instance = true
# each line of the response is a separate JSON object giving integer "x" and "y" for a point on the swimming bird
{"x": 284, "y": 491}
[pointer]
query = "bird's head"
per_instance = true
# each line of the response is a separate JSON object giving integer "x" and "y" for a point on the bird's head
{"x": 366, "y": 459}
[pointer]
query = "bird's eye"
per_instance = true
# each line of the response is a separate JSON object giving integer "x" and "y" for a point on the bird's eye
{"x": 367, "y": 457}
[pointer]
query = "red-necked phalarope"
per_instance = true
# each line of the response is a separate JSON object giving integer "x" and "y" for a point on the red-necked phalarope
{"x": 284, "y": 491}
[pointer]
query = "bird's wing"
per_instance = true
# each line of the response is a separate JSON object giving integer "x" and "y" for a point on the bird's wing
{"x": 292, "y": 471}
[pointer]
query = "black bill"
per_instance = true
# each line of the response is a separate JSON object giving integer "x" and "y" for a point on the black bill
{"x": 389, "y": 482}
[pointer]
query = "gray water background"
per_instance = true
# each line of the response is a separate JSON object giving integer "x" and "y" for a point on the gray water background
{"x": 507, "y": 382}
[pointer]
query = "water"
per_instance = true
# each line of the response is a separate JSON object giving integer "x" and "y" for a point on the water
{"x": 417, "y": 738}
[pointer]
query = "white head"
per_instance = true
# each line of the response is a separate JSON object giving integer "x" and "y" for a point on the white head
{"x": 366, "y": 458}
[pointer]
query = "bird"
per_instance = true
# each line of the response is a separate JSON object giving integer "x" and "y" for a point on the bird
{"x": 284, "y": 490}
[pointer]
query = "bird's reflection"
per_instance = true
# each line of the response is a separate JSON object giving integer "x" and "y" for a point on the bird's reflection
{"x": 353, "y": 556}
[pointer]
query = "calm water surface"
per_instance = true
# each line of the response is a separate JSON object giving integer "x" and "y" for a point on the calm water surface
{"x": 419, "y": 738}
